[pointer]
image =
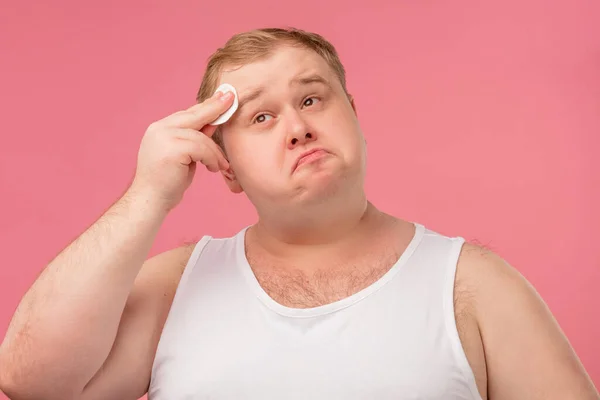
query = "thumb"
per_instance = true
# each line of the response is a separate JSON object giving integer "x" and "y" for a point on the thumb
{"x": 209, "y": 130}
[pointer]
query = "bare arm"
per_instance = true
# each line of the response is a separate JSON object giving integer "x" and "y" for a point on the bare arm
{"x": 126, "y": 372}
{"x": 80, "y": 331}
{"x": 527, "y": 354}
{"x": 65, "y": 325}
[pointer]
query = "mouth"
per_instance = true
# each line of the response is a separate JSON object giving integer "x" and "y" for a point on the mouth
{"x": 308, "y": 157}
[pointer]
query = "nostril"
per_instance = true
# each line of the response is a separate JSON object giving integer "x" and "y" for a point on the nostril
{"x": 308, "y": 136}
{"x": 294, "y": 141}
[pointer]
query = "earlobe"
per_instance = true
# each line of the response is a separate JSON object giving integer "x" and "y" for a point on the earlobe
{"x": 352, "y": 103}
{"x": 231, "y": 181}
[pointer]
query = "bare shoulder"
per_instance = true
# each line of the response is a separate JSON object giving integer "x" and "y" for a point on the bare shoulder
{"x": 478, "y": 265}
{"x": 526, "y": 354}
{"x": 165, "y": 269}
{"x": 160, "y": 275}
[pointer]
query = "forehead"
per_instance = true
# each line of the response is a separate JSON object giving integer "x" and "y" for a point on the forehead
{"x": 280, "y": 68}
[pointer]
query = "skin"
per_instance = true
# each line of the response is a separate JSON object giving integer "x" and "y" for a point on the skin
{"x": 267, "y": 134}
{"x": 513, "y": 343}
{"x": 316, "y": 212}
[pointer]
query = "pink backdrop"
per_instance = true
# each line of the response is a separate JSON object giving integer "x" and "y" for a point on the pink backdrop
{"x": 482, "y": 121}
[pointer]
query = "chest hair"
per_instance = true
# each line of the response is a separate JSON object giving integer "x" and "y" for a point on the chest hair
{"x": 294, "y": 287}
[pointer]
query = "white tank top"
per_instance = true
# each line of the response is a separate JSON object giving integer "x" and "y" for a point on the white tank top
{"x": 226, "y": 338}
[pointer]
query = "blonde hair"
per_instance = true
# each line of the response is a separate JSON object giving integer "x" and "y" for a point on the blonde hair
{"x": 247, "y": 47}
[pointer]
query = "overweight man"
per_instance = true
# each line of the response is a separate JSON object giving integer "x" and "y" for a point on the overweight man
{"x": 324, "y": 297}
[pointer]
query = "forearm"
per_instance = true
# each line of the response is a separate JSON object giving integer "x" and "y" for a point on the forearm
{"x": 66, "y": 324}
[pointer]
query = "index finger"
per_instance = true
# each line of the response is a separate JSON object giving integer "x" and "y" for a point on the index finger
{"x": 201, "y": 114}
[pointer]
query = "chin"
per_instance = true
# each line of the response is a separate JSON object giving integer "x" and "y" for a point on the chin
{"x": 318, "y": 186}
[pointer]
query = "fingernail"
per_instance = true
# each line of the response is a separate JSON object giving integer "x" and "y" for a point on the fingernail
{"x": 226, "y": 96}
{"x": 217, "y": 94}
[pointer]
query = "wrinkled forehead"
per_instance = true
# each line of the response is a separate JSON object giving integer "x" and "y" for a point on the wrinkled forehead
{"x": 280, "y": 69}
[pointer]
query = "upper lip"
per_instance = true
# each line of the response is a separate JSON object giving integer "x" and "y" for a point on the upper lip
{"x": 306, "y": 153}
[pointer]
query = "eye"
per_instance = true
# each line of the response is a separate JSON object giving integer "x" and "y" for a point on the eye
{"x": 262, "y": 118}
{"x": 310, "y": 101}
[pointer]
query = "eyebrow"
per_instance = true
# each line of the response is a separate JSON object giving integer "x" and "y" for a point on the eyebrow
{"x": 256, "y": 92}
{"x": 249, "y": 96}
{"x": 312, "y": 78}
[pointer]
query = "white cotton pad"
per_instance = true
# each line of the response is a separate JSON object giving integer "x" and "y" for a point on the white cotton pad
{"x": 226, "y": 87}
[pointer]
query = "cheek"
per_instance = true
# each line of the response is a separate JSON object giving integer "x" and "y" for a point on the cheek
{"x": 254, "y": 157}
{"x": 347, "y": 139}
{"x": 343, "y": 129}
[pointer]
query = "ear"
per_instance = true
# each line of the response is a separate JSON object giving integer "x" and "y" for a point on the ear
{"x": 231, "y": 181}
{"x": 352, "y": 103}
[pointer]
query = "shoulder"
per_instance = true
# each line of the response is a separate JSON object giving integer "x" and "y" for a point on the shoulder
{"x": 175, "y": 258}
{"x": 162, "y": 272}
{"x": 491, "y": 288}
{"x": 479, "y": 267}
{"x": 490, "y": 283}
{"x": 176, "y": 255}
{"x": 515, "y": 324}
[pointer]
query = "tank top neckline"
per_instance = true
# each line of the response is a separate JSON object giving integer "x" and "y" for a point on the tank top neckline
{"x": 279, "y": 308}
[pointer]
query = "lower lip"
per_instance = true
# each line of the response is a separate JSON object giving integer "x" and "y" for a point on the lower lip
{"x": 311, "y": 157}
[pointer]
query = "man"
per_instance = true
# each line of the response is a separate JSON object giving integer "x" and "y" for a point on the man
{"x": 325, "y": 297}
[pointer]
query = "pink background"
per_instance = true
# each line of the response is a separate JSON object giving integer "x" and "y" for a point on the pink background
{"x": 482, "y": 121}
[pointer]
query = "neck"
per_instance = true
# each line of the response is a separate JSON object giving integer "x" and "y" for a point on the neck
{"x": 322, "y": 225}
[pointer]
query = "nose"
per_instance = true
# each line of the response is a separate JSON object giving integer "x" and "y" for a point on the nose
{"x": 299, "y": 132}
{"x": 298, "y": 140}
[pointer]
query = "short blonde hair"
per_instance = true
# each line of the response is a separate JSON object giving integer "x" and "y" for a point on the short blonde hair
{"x": 247, "y": 47}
